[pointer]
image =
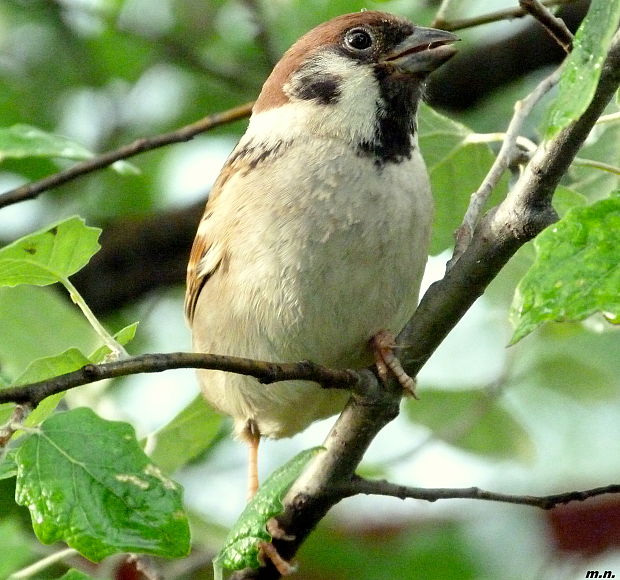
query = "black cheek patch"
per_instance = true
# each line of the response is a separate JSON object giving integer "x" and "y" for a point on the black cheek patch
{"x": 324, "y": 89}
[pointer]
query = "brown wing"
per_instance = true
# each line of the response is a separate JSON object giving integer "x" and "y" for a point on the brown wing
{"x": 207, "y": 251}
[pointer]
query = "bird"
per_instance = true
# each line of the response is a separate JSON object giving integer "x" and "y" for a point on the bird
{"x": 315, "y": 234}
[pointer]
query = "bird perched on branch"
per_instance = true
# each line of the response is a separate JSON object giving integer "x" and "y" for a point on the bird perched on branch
{"x": 315, "y": 236}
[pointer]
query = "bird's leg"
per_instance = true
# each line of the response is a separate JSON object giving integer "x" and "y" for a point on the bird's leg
{"x": 252, "y": 437}
{"x": 267, "y": 551}
{"x": 383, "y": 344}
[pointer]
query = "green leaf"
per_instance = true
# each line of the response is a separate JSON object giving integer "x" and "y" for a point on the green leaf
{"x": 186, "y": 436}
{"x": 87, "y": 482}
{"x": 74, "y": 574}
{"x": 123, "y": 336}
{"x": 587, "y": 382}
{"x": 21, "y": 141}
{"x": 39, "y": 322}
{"x": 49, "y": 255}
{"x": 16, "y": 546}
{"x": 576, "y": 272}
{"x": 601, "y": 145}
{"x": 6, "y": 411}
{"x": 565, "y": 199}
{"x": 583, "y": 65}
{"x": 25, "y": 141}
{"x": 242, "y": 544}
{"x": 8, "y": 467}
{"x": 45, "y": 368}
{"x": 51, "y": 366}
{"x": 456, "y": 167}
{"x": 480, "y": 425}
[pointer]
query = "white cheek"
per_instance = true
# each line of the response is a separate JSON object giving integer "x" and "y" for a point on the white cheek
{"x": 350, "y": 118}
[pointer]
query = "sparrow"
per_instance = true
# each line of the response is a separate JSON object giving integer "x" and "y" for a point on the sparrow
{"x": 315, "y": 235}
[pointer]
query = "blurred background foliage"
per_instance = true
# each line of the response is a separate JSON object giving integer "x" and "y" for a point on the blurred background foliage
{"x": 537, "y": 418}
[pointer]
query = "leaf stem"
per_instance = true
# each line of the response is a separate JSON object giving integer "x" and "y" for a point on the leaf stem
{"x": 596, "y": 165}
{"x": 117, "y": 351}
{"x": 30, "y": 571}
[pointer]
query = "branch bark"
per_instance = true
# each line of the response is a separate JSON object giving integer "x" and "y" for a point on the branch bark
{"x": 554, "y": 26}
{"x": 358, "y": 485}
{"x": 32, "y": 394}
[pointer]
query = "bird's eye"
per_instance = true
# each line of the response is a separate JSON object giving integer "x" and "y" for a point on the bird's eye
{"x": 358, "y": 39}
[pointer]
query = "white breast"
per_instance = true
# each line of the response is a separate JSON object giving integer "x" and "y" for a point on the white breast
{"x": 320, "y": 260}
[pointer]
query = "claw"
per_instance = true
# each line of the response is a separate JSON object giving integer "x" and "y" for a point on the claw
{"x": 383, "y": 345}
{"x": 267, "y": 551}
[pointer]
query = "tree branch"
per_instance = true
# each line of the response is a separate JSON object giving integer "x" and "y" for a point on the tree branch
{"x": 504, "y": 159}
{"x": 265, "y": 372}
{"x": 32, "y": 190}
{"x": 499, "y": 15}
{"x": 554, "y": 26}
{"x": 358, "y": 485}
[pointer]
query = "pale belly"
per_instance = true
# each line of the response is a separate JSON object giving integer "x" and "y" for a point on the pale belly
{"x": 314, "y": 283}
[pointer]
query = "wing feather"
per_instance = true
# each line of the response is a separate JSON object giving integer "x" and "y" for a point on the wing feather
{"x": 208, "y": 250}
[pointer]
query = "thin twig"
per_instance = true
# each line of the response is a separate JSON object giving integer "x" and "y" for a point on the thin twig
{"x": 611, "y": 118}
{"x": 503, "y": 160}
{"x": 360, "y": 485}
{"x": 553, "y": 25}
{"x": 582, "y": 162}
{"x": 497, "y": 16}
{"x": 42, "y": 564}
{"x": 32, "y": 190}
{"x": 265, "y": 372}
{"x": 522, "y": 142}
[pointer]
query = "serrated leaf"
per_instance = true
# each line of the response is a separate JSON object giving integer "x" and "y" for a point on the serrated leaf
{"x": 583, "y": 65}
{"x": 49, "y": 255}
{"x": 87, "y": 482}
{"x": 21, "y": 141}
{"x": 479, "y": 423}
{"x": 123, "y": 336}
{"x": 242, "y": 543}
{"x": 186, "y": 436}
{"x": 456, "y": 167}
{"x": 576, "y": 272}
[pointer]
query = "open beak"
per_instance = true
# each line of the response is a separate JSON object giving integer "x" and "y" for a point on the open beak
{"x": 422, "y": 51}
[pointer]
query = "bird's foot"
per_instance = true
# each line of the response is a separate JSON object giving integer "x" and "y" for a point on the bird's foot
{"x": 276, "y": 531}
{"x": 383, "y": 344}
{"x": 267, "y": 551}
